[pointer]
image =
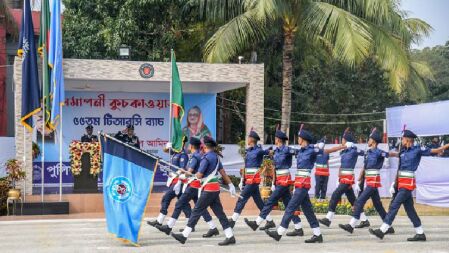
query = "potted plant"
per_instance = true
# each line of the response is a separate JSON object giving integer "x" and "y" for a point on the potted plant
{"x": 267, "y": 173}
{"x": 15, "y": 173}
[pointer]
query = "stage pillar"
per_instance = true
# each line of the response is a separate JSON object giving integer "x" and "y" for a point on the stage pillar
{"x": 255, "y": 101}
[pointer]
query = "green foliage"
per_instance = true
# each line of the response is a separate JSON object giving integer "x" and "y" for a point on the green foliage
{"x": 343, "y": 208}
{"x": 97, "y": 28}
{"x": 4, "y": 188}
{"x": 438, "y": 59}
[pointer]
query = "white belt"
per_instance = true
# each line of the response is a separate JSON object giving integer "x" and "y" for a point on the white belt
{"x": 372, "y": 172}
{"x": 410, "y": 174}
{"x": 303, "y": 173}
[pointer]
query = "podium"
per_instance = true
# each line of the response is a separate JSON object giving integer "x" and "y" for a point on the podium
{"x": 85, "y": 164}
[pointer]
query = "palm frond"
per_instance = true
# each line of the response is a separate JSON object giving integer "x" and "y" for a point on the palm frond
{"x": 239, "y": 33}
{"x": 348, "y": 34}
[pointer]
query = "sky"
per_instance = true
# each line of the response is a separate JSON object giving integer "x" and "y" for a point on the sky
{"x": 434, "y": 12}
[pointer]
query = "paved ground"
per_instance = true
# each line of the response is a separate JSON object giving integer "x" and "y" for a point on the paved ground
{"x": 89, "y": 235}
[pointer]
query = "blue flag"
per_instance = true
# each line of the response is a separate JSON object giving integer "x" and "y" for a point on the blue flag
{"x": 55, "y": 62}
{"x": 30, "y": 78}
{"x": 128, "y": 179}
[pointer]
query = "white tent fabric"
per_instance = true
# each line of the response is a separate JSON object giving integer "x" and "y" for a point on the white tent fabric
{"x": 424, "y": 119}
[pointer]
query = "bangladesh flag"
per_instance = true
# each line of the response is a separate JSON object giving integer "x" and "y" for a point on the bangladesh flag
{"x": 43, "y": 52}
{"x": 177, "y": 104}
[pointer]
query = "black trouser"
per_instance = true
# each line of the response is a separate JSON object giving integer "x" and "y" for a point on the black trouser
{"x": 189, "y": 194}
{"x": 339, "y": 191}
{"x": 168, "y": 197}
{"x": 321, "y": 186}
{"x": 373, "y": 193}
{"x": 212, "y": 200}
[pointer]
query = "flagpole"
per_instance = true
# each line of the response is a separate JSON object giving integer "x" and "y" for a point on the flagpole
{"x": 43, "y": 145}
{"x": 60, "y": 154}
{"x": 24, "y": 164}
{"x": 171, "y": 90}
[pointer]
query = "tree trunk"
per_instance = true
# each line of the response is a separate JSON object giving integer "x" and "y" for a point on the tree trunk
{"x": 287, "y": 73}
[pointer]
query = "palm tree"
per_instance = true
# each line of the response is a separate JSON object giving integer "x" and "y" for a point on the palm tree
{"x": 350, "y": 31}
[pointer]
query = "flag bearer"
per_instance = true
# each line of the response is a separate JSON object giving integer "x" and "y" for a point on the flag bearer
{"x": 306, "y": 157}
{"x": 321, "y": 173}
{"x": 281, "y": 186}
{"x": 190, "y": 192}
{"x": 210, "y": 165}
{"x": 174, "y": 184}
{"x": 346, "y": 182}
{"x": 374, "y": 159}
{"x": 409, "y": 157}
{"x": 249, "y": 183}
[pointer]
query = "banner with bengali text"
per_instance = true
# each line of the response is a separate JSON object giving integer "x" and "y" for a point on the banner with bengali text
{"x": 112, "y": 111}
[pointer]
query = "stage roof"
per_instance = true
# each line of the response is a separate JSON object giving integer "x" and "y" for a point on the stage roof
{"x": 124, "y": 76}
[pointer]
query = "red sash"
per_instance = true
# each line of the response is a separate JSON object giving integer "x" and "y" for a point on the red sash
{"x": 302, "y": 179}
{"x": 406, "y": 180}
{"x": 346, "y": 176}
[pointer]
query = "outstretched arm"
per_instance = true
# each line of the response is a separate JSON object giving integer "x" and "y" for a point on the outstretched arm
{"x": 334, "y": 149}
{"x": 439, "y": 150}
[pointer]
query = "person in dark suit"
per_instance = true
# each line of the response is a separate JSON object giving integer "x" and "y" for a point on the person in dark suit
{"x": 128, "y": 136}
{"x": 89, "y": 137}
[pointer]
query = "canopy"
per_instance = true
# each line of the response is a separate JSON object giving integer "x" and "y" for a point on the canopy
{"x": 424, "y": 119}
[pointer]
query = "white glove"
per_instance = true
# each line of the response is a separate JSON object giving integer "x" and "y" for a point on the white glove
{"x": 356, "y": 189}
{"x": 232, "y": 189}
{"x": 182, "y": 176}
{"x": 320, "y": 145}
{"x": 392, "y": 190}
{"x": 349, "y": 144}
{"x": 168, "y": 145}
{"x": 273, "y": 187}
{"x": 177, "y": 187}
{"x": 241, "y": 183}
{"x": 338, "y": 182}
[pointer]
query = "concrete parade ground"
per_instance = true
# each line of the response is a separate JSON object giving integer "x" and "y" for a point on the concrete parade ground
{"x": 90, "y": 235}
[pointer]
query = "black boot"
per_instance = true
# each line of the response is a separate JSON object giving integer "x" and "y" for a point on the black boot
{"x": 268, "y": 225}
{"x": 231, "y": 223}
{"x": 164, "y": 228}
{"x": 273, "y": 234}
{"x": 154, "y": 223}
{"x": 346, "y": 227}
{"x": 363, "y": 224}
{"x": 377, "y": 232}
{"x": 390, "y": 230}
{"x": 179, "y": 237}
{"x": 325, "y": 221}
{"x": 252, "y": 224}
{"x": 417, "y": 237}
{"x": 227, "y": 241}
{"x": 315, "y": 239}
{"x": 296, "y": 232}
{"x": 211, "y": 232}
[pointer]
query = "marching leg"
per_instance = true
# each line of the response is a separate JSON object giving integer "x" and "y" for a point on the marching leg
{"x": 272, "y": 200}
{"x": 307, "y": 208}
{"x": 165, "y": 203}
{"x": 389, "y": 218}
{"x": 414, "y": 218}
{"x": 336, "y": 196}
{"x": 298, "y": 231}
{"x": 217, "y": 208}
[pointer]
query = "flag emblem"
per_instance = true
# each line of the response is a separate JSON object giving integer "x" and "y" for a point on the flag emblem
{"x": 120, "y": 189}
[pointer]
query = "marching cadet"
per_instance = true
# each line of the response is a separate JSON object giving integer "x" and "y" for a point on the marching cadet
{"x": 89, "y": 137}
{"x": 127, "y": 136}
{"x": 346, "y": 181}
{"x": 281, "y": 186}
{"x": 190, "y": 192}
{"x": 209, "y": 166}
{"x": 178, "y": 159}
{"x": 374, "y": 159}
{"x": 409, "y": 159}
{"x": 306, "y": 157}
{"x": 321, "y": 172}
{"x": 249, "y": 183}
